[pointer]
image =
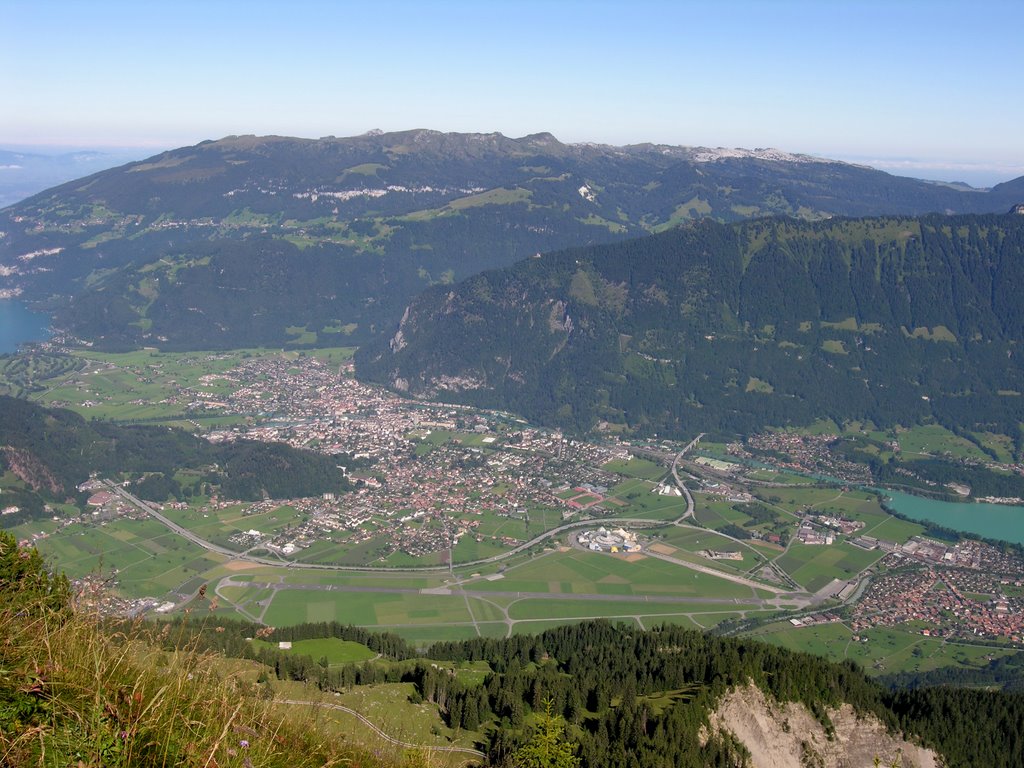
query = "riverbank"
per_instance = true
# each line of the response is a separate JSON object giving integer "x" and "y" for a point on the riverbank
{"x": 991, "y": 521}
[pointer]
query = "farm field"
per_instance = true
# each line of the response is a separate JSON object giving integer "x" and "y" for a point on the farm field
{"x": 881, "y": 650}
{"x": 141, "y": 557}
{"x": 637, "y": 500}
{"x": 857, "y": 505}
{"x": 638, "y": 468}
{"x": 814, "y": 566}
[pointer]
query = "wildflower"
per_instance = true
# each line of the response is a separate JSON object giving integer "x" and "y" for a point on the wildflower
{"x": 244, "y": 743}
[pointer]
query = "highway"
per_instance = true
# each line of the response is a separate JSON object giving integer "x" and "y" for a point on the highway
{"x": 680, "y": 483}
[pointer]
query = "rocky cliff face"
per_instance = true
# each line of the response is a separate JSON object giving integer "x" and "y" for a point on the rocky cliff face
{"x": 788, "y": 736}
{"x": 30, "y": 470}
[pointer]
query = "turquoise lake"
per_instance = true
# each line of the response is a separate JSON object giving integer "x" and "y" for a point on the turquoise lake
{"x": 993, "y": 521}
{"x": 18, "y": 325}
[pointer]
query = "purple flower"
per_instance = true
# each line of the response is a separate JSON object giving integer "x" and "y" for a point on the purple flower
{"x": 244, "y": 743}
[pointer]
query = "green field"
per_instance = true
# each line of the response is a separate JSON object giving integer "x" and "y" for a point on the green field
{"x": 140, "y": 557}
{"x": 634, "y": 467}
{"x": 931, "y": 439}
{"x": 369, "y": 609}
{"x": 814, "y": 566}
{"x": 650, "y": 612}
{"x": 388, "y": 706}
{"x": 335, "y": 650}
{"x": 637, "y": 499}
{"x": 691, "y": 541}
{"x": 880, "y": 650}
{"x": 576, "y": 572}
{"x": 894, "y": 529}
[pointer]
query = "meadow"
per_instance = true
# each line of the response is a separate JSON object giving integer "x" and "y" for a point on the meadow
{"x": 880, "y": 650}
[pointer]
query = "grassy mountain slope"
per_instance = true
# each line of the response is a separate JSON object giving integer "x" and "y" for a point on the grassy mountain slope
{"x": 734, "y": 327}
{"x": 276, "y": 240}
{"x": 74, "y": 692}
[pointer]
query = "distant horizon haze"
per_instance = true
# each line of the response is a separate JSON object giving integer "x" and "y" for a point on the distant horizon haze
{"x": 977, "y": 174}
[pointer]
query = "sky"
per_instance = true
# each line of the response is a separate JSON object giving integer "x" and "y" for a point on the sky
{"x": 926, "y": 88}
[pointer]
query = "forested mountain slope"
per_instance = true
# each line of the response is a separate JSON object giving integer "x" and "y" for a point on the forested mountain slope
{"x": 50, "y": 451}
{"x": 663, "y": 696}
{"x": 735, "y": 326}
{"x": 272, "y": 240}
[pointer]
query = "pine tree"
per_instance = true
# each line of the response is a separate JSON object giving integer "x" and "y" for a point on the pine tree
{"x": 547, "y": 746}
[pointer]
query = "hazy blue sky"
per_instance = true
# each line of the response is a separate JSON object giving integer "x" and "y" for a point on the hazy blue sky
{"x": 927, "y": 88}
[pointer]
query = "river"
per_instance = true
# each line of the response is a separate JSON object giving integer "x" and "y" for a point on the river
{"x": 18, "y": 325}
{"x": 993, "y": 521}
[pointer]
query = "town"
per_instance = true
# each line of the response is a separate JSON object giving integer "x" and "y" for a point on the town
{"x": 440, "y": 484}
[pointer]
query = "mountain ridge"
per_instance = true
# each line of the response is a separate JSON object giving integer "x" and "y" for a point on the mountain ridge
{"x": 734, "y": 327}
{"x": 366, "y": 222}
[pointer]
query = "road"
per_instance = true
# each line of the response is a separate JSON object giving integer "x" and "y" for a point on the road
{"x": 244, "y": 556}
{"x": 633, "y": 522}
{"x": 680, "y": 483}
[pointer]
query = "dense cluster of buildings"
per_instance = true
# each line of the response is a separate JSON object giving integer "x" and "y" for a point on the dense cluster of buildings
{"x": 615, "y": 541}
{"x": 945, "y": 602}
{"x": 968, "y": 589}
{"x": 809, "y": 454}
{"x": 429, "y": 471}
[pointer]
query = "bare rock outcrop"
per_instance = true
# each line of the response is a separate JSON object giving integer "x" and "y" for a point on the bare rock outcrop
{"x": 788, "y": 736}
{"x": 30, "y": 470}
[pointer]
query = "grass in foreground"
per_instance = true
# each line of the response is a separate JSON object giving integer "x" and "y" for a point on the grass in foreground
{"x": 75, "y": 693}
